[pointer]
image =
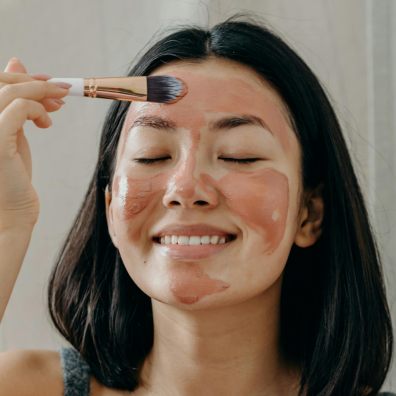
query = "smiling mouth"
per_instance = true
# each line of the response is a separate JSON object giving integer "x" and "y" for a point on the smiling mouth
{"x": 184, "y": 242}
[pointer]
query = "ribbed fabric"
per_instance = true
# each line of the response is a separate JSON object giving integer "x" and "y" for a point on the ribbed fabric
{"x": 76, "y": 373}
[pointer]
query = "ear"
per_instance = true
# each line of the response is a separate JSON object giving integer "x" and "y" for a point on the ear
{"x": 109, "y": 216}
{"x": 310, "y": 219}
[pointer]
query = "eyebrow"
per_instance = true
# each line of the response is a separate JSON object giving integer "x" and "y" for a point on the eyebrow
{"x": 224, "y": 123}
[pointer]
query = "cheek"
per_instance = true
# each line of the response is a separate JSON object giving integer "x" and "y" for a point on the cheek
{"x": 261, "y": 199}
{"x": 132, "y": 196}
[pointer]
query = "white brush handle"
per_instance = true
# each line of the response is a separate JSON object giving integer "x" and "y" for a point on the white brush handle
{"x": 77, "y": 88}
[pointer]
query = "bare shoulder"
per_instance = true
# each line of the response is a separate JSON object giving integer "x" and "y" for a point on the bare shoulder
{"x": 30, "y": 372}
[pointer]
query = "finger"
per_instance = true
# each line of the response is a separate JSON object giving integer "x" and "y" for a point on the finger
{"x": 16, "y": 73}
{"x": 41, "y": 76}
{"x": 36, "y": 90}
{"x": 24, "y": 151}
{"x": 52, "y": 105}
{"x": 15, "y": 115}
{"x": 14, "y": 65}
{"x": 17, "y": 70}
{"x": 18, "y": 67}
{"x": 9, "y": 67}
{"x": 49, "y": 104}
{"x": 12, "y": 77}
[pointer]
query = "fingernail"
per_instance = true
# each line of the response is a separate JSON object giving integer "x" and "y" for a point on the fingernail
{"x": 63, "y": 85}
{"x": 58, "y": 101}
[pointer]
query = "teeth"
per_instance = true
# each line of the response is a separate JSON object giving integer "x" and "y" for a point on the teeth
{"x": 214, "y": 239}
{"x": 205, "y": 240}
{"x": 193, "y": 240}
{"x": 182, "y": 240}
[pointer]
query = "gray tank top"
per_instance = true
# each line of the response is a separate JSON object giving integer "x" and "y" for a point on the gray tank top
{"x": 76, "y": 372}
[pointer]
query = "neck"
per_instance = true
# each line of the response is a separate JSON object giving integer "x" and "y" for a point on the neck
{"x": 232, "y": 350}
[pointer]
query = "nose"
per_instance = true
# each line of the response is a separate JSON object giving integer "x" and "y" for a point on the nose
{"x": 187, "y": 191}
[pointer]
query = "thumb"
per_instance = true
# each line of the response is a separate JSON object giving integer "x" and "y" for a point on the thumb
{"x": 14, "y": 65}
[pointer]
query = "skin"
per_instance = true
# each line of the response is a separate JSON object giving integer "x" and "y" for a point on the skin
{"x": 216, "y": 318}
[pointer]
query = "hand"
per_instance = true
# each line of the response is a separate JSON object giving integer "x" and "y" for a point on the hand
{"x": 22, "y": 98}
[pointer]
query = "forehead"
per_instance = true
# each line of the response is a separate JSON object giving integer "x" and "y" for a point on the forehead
{"x": 216, "y": 87}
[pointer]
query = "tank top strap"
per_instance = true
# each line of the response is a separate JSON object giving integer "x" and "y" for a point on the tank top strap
{"x": 76, "y": 372}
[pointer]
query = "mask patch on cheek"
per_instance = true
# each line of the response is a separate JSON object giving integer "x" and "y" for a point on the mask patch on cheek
{"x": 261, "y": 199}
{"x": 132, "y": 196}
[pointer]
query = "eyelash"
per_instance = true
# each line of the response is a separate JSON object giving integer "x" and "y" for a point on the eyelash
{"x": 149, "y": 161}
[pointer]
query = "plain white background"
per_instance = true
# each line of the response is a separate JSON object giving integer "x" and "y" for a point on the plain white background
{"x": 350, "y": 45}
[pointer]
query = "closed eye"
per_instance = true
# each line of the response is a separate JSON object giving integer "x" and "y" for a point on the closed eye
{"x": 150, "y": 160}
{"x": 240, "y": 160}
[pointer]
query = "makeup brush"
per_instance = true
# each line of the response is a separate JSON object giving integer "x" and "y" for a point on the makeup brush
{"x": 161, "y": 89}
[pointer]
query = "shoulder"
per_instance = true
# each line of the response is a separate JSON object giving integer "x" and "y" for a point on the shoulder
{"x": 31, "y": 372}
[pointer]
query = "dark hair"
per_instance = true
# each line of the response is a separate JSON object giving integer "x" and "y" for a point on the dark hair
{"x": 335, "y": 321}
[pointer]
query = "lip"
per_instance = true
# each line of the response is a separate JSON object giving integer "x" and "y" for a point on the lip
{"x": 200, "y": 229}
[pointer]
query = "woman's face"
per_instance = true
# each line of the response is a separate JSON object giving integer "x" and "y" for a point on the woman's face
{"x": 228, "y": 112}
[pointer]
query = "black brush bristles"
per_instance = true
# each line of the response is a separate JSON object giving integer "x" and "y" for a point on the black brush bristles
{"x": 165, "y": 89}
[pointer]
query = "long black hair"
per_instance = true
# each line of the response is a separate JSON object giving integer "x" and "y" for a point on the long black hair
{"x": 335, "y": 320}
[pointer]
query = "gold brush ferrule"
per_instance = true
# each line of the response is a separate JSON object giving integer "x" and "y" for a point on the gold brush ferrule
{"x": 117, "y": 88}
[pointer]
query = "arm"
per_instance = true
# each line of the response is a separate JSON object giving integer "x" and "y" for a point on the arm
{"x": 14, "y": 243}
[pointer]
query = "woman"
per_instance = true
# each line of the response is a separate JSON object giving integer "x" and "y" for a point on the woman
{"x": 288, "y": 297}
